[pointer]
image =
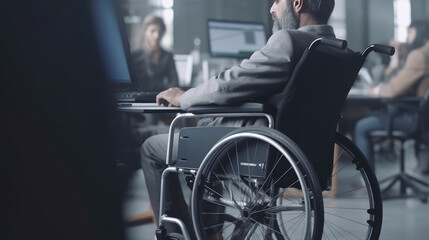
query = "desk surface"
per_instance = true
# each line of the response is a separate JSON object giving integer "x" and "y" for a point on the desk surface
{"x": 357, "y": 106}
{"x": 365, "y": 99}
{"x": 353, "y": 100}
{"x": 146, "y": 108}
{"x": 357, "y": 99}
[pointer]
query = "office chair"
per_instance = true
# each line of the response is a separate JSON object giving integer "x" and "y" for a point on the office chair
{"x": 258, "y": 182}
{"x": 405, "y": 180}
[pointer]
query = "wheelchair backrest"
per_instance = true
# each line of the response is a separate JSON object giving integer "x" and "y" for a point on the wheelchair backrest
{"x": 309, "y": 107}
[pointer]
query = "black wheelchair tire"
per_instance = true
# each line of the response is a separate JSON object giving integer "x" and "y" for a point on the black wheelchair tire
{"x": 373, "y": 213}
{"x": 293, "y": 150}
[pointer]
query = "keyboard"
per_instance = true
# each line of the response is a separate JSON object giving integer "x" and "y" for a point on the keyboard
{"x": 136, "y": 96}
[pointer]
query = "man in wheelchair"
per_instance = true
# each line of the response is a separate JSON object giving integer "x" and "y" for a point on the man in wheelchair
{"x": 296, "y": 24}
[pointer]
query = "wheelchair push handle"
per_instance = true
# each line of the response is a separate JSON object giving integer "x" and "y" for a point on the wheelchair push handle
{"x": 379, "y": 48}
{"x": 388, "y": 50}
{"x": 332, "y": 42}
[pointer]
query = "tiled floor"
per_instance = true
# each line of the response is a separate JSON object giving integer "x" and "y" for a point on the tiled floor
{"x": 402, "y": 219}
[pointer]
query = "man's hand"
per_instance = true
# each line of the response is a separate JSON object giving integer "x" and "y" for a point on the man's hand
{"x": 170, "y": 97}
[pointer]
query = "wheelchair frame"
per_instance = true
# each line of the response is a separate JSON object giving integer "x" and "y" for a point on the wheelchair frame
{"x": 169, "y": 160}
{"x": 256, "y": 111}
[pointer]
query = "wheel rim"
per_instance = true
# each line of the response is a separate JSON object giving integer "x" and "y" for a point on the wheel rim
{"x": 248, "y": 207}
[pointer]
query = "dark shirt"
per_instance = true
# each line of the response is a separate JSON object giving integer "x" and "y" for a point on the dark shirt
{"x": 155, "y": 77}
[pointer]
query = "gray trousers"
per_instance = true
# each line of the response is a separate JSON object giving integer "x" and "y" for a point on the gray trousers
{"x": 153, "y": 154}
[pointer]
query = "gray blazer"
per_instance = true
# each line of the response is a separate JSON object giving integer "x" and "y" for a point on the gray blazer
{"x": 266, "y": 72}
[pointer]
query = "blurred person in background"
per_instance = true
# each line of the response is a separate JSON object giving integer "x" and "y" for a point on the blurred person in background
{"x": 411, "y": 80}
{"x": 154, "y": 67}
{"x": 155, "y": 71}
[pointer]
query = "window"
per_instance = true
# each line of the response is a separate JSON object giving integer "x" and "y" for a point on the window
{"x": 402, "y": 18}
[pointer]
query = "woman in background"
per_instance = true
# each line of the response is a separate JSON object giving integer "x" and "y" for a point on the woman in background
{"x": 154, "y": 67}
{"x": 155, "y": 70}
{"x": 411, "y": 80}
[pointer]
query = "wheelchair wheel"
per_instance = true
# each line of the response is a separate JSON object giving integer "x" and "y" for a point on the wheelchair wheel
{"x": 173, "y": 236}
{"x": 238, "y": 187}
{"x": 353, "y": 207}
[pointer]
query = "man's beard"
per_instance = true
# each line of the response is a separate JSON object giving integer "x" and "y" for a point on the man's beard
{"x": 289, "y": 20}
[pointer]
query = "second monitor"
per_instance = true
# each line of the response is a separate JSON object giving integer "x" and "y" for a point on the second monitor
{"x": 235, "y": 39}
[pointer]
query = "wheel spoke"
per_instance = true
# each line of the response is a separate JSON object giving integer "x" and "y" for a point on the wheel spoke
{"x": 250, "y": 205}
{"x": 343, "y": 229}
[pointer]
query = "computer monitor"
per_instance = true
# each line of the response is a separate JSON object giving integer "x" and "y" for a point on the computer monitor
{"x": 112, "y": 38}
{"x": 235, "y": 39}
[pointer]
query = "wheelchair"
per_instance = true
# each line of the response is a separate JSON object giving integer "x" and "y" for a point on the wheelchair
{"x": 295, "y": 177}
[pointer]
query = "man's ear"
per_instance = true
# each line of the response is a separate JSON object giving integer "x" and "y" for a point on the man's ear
{"x": 297, "y": 5}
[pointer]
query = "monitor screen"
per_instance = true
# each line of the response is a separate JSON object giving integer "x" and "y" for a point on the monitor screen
{"x": 235, "y": 39}
{"x": 111, "y": 41}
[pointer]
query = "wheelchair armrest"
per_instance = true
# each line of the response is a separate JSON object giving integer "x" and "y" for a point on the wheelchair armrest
{"x": 248, "y": 107}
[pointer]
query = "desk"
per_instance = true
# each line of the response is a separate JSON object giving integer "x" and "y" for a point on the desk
{"x": 146, "y": 108}
{"x": 364, "y": 100}
{"x": 377, "y": 102}
{"x": 356, "y": 102}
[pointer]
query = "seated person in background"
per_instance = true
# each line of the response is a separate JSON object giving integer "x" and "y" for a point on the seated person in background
{"x": 411, "y": 80}
{"x": 154, "y": 67}
{"x": 155, "y": 70}
{"x": 296, "y": 24}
